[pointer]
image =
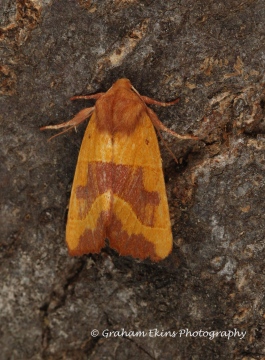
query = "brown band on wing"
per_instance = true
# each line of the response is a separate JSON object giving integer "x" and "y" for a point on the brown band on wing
{"x": 123, "y": 180}
{"x": 128, "y": 184}
{"x": 91, "y": 241}
{"x": 135, "y": 245}
{"x": 99, "y": 180}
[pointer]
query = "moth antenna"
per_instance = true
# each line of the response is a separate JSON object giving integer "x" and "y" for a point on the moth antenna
{"x": 61, "y": 132}
{"x": 167, "y": 147}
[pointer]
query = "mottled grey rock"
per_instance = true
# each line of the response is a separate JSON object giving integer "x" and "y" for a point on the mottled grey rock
{"x": 209, "y": 53}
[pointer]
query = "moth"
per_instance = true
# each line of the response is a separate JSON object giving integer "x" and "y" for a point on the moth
{"x": 118, "y": 191}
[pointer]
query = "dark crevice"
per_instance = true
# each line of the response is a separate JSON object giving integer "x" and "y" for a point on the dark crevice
{"x": 57, "y": 299}
{"x": 140, "y": 347}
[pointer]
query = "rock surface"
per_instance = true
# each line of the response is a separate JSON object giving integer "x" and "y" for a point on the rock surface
{"x": 209, "y": 53}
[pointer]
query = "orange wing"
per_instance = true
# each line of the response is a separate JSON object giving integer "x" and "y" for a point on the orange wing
{"x": 119, "y": 193}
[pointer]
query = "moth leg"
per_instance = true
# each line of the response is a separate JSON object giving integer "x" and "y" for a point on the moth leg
{"x": 79, "y": 117}
{"x": 76, "y": 120}
{"x": 160, "y": 126}
{"x": 151, "y": 101}
{"x": 87, "y": 97}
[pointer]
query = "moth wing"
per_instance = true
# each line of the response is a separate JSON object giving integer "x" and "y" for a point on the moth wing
{"x": 119, "y": 193}
{"x": 89, "y": 207}
{"x": 140, "y": 223}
